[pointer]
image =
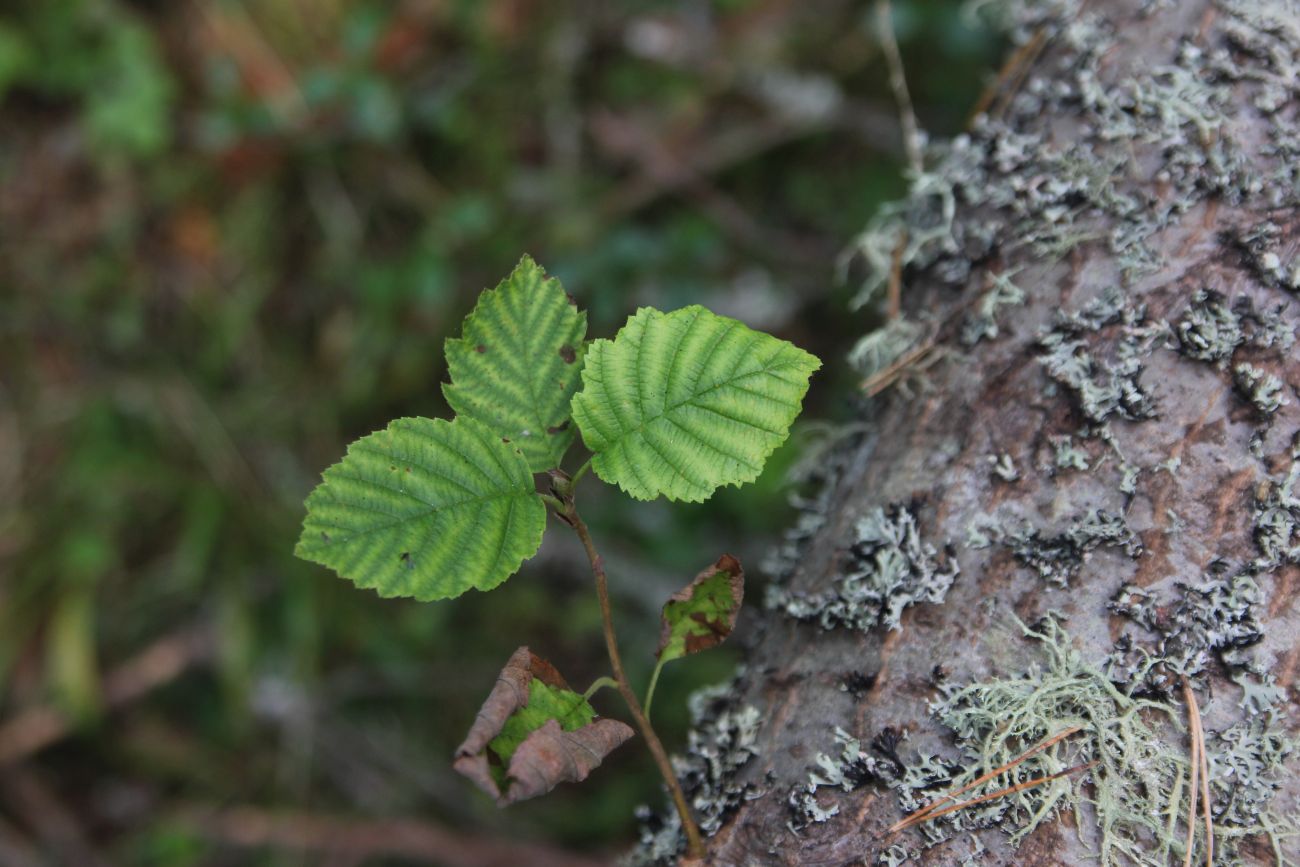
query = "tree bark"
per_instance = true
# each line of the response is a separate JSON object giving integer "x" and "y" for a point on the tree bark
{"x": 1114, "y": 430}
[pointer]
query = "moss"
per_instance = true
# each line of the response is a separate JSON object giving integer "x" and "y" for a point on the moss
{"x": 888, "y": 568}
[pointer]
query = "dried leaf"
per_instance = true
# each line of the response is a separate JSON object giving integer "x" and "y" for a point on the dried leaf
{"x": 703, "y": 613}
{"x": 534, "y": 733}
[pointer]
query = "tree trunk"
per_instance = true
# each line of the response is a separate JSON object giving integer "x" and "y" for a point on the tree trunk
{"x": 1109, "y": 462}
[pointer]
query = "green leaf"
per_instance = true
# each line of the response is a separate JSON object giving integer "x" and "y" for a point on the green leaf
{"x": 679, "y": 404}
{"x": 565, "y": 706}
{"x": 534, "y": 733}
{"x": 425, "y": 508}
{"x": 703, "y": 613}
{"x": 516, "y": 364}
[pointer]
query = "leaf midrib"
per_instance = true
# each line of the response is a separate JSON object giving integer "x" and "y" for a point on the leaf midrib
{"x": 645, "y": 422}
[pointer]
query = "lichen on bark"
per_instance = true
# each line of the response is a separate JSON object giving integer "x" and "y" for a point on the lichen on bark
{"x": 1139, "y": 176}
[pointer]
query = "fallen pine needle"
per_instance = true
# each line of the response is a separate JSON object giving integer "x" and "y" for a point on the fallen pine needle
{"x": 925, "y": 812}
{"x": 1200, "y": 772}
{"x": 1009, "y": 790}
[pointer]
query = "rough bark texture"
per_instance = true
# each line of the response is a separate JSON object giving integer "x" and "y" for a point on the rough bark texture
{"x": 1116, "y": 428}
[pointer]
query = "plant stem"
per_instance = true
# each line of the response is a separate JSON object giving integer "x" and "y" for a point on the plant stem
{"x": 650, "y": 690}
{"x": 579, "y": 473}
{"x": 599, "y": 684}
{"x": 694, "y": 842}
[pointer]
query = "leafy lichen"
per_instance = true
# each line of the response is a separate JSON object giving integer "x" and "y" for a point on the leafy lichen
{"x": 1102, "y": 387}
{"x": 723, "y": 739}
{"x": 1215, "y": 618}
{"x": 1277, "y": 521}
{"x": 1261, "y": 389}
{"x": 889, "y": 568}
{"x": 1057, "y": 557}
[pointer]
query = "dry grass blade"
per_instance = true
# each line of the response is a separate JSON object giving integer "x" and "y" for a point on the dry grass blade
{"x": 926, "y": 812}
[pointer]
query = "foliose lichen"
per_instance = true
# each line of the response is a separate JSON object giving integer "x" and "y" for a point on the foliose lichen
{"x": 1102, "y": 387}
{"x": 1215, "y": 618}
{"x": 1209, "y": 331}
{"x": 1277, "y": 521}
{"x": 981, "y": 323}
{"x": 1057, "y": 557}
{"x": 722, "y": 740}
{"x": 888, "y": 568}
{"x": 1261, "y": 389}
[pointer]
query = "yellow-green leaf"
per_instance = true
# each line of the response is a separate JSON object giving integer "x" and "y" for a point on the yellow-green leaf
{"x": 516, "y": 364}
{"x": 679, "y": 404}
{"x": 425, "y": 508}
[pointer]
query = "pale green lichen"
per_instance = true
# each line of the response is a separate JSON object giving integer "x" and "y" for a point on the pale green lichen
{"x": 1128, "y": 808}
{"x": 1004, "y": 467}
{"x": 1214, "y": 618}
{"x": 981, "y": 323}
{"x": 1068, "y": 456}
{"x": 884, "y": 346}
{"x": 1103, "y": 387}
{"x": 1209, "y": 331}
{"x": 1277, "y": 521}
{"x": 1056, "y": 557}
{"x": 1260, "y": 388}
{"x": 723, "y": 739}
{"x": 889, "y": 568}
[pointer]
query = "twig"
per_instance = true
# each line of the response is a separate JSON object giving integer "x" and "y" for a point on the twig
{"x": 35, "y": 728}
{"x": 58, "y": 827}
{"x": 898, "y": 83}
{"x": 694, "y": 842}
{"x": 922, "y": 814}
{"x": 895, "y": 287}
{"x": 252, "y": 827}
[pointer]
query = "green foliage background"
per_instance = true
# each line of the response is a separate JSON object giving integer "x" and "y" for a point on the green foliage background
{"x": 233, "y": 237}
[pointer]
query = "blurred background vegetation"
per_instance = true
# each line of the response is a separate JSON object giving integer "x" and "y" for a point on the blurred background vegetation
{"x": 233, "y": 236}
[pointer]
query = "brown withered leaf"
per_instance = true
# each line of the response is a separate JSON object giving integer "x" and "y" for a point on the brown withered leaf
{"x": 534, "y": 733}
{"x": 703, "y": 613}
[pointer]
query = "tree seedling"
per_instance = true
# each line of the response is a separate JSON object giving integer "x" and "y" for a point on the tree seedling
{"x": 676, "y": 405}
